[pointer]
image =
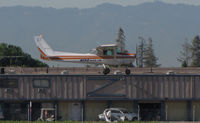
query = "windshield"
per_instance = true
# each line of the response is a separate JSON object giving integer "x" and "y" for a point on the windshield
{"x": 125, "y": 111}
{"x": 109, "y": 52}
{"x": 93, "y": 51}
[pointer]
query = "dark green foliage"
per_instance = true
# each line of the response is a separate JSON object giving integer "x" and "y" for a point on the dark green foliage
{"x": 140, "y": 49}
{"x": 150, "y": 60}
{"x": 184, "y": 64}
{"x": 195, "y": 52}
{"x": 121, "y": 40}
{"x": 185, "y": 54}
{"x": 145, "y": 54}
{"x": 11, "y": 55}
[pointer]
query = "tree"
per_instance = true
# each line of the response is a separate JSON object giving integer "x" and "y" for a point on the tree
{"x": 185, "y": 54}
{"x": 140, "y": 49}
{"x": 121, "y": 40}
{"x": 195, "y": 52}
{"x": 150, "y": 60}
{"x": 11, "y": 55}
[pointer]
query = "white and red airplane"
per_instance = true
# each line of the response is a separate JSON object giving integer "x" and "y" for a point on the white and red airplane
{"x": 104, "y": 54}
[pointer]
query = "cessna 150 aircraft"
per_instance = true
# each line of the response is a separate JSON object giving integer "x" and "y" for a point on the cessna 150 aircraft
{"x": 103, "y": 55}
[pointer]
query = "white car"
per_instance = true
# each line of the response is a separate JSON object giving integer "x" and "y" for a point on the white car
{"x": 117, "y": 114}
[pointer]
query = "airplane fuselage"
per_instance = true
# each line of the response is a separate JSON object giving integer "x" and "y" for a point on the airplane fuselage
{"x": 92, "y": 58}
{"x": 106, "y": 54}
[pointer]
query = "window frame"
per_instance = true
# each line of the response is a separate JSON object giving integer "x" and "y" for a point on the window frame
{"x": 35, "y": 86}
{"x": 5, "y": 79}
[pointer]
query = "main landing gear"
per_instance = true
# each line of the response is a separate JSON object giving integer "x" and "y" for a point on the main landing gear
{"x": 107, "y": 70}
{"x": 128, "y": 71}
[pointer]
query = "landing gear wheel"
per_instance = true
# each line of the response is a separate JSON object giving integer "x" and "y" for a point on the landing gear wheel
{"x": 106, "y": 71}
{"x": 128, "y": 71}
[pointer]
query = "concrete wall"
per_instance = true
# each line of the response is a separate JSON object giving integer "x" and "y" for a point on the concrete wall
{"x": 176, "y": 110}
{"x": 63, "y": 108}
{"x": 93, "y": 109}
{"x": 123, "y": 104}
{"x": 66, "y": 111}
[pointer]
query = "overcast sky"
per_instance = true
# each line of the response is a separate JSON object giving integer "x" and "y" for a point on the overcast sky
{"x": 86, "y": 3}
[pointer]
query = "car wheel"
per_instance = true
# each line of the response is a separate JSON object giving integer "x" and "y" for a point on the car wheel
{"x": 134, "y": 119}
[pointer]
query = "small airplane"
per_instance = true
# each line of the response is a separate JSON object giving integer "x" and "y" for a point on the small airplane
{"x": 102, "y": 55}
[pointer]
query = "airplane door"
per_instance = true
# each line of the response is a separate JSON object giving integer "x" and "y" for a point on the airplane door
{"x": 76, "y": 111}
{"x": 115, "y": 53}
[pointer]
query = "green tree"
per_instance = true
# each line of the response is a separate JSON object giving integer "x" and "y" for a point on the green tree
{"x": 195, "y": 52}
{"x": 121, "y": 40}
{"x": 11, "y": 55}
{"x": 150, "y": 60}
{"x": 140, "y": 49}
{"x": 185, "y": 54}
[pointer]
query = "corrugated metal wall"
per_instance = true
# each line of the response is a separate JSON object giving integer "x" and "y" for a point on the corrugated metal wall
{"x": 164, "y": 87}
{"x": 78, "y": 87}
{"x": 61, "y": 87}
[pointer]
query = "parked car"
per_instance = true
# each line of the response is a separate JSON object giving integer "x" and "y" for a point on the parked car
{"x": 47, "y": 114}
{"x": 117, "y": 114}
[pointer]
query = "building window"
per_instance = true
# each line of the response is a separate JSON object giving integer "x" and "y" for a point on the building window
{"x": 8, "y": 83}
{"x": 41, "y": 83}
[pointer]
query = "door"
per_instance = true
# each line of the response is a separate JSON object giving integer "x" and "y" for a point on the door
{"x": 76, "y": 111}
{"x": 150, "y": 111}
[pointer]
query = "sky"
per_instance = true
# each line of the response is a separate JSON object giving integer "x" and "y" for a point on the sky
{"x": 81, "y": 4}
{"x": 87, "y": 3}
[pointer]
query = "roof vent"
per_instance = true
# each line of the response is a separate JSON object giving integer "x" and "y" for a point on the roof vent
{"x": 170, "y": 72}
{"x": 65, "y": 72}
{"x": 117, "y": 72}
{"x": 11, "y": 71}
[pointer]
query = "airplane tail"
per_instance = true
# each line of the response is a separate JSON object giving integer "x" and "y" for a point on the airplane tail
{"x": 43, "y": 47}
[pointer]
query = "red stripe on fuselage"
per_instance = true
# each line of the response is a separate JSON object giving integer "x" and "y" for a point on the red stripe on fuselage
{"x": 71, "y": 57}
{"x": 41, "y": 52}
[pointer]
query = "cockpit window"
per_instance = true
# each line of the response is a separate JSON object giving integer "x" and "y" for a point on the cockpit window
{"x": 118, "y": 50}
{"x": 108, "y": 52}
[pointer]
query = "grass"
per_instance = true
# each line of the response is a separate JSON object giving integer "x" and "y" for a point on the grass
{"x": 74, "y": 122}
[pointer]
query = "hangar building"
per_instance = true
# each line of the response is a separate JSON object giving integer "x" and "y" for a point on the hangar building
{"x": 82, "y": 97}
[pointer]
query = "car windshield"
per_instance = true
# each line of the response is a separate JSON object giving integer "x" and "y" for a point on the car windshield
{"x": 125, "y": 111}
{"x": 115, "y": 111}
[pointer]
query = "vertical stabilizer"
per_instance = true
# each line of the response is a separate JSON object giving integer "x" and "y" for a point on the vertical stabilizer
{"x": 43, "y": 47}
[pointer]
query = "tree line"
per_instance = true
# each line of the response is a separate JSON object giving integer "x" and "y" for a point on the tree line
{"x": 190, "y": 53}
{"x": 145, "y": 54}
{"x": 11, "y": 55}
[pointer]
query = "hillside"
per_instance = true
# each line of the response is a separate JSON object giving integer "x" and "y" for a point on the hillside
{"x": 78, "y": 30}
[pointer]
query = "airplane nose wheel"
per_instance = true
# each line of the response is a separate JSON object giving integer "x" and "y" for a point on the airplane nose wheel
{"x": 128, "y": 71}
{"x": 106, "y": 71}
